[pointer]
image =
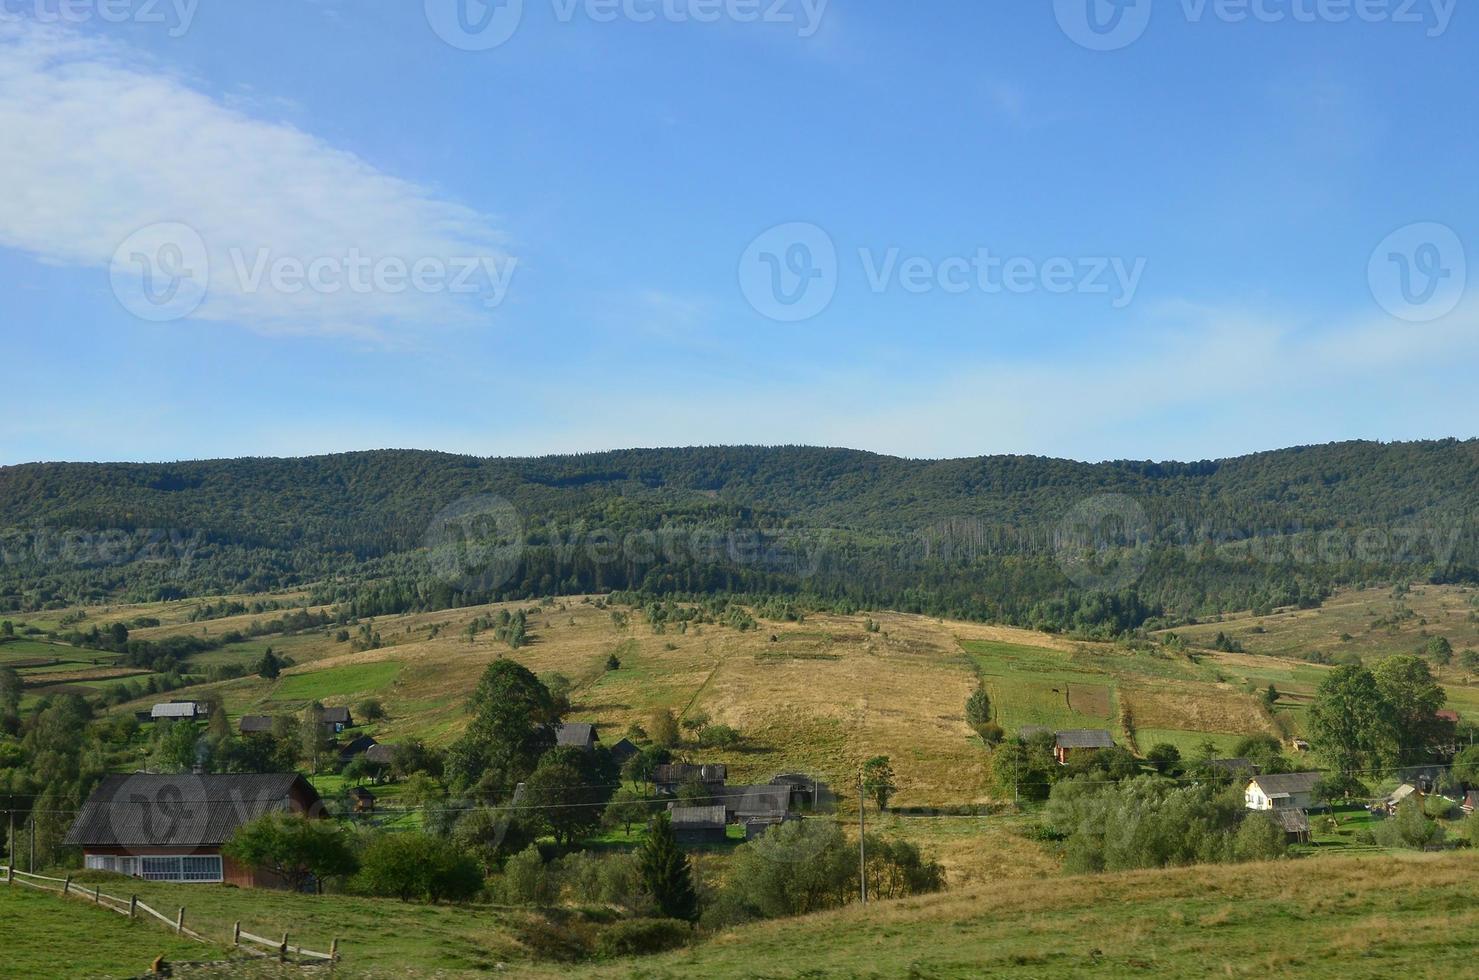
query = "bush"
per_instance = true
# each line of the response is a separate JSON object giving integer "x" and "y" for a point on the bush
{"x": 642, "y": 937}
{"x": 370, "y": 709}
{"x": 1409, "y": 827}
{"x": 415, "y": 865}
{"x": 718, "y": 737}
{"x": 526, "y": 880}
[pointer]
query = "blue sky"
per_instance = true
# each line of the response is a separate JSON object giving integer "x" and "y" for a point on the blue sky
{"x": 1244, "y": 177}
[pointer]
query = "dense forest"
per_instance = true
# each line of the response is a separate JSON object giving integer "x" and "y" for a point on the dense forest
{"x": 1040, "y": 542}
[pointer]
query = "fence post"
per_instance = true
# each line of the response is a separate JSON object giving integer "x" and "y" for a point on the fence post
{"x": 236, "y": 934}
{"x": 334, "y": 951}
{"x": 180, "y": 921}
{"x": 67, "y": 886}
{"x": 133, "y": 906}
{"x": 282, "y": 951}
{"x": 97, "y": 895}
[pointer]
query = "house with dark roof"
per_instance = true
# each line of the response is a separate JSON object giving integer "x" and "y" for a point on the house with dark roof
{"x": 807, "y": 792}
{"x": 172, "y": 827}
{"x": 623, "y": 751}
{"x": 337, "y": 719}
{"x": 255, "y": 725}
{"x": 699, "y": 824}
{"x": 1076, "y": 742}
{"x": 669, "y": 777}
{"x": 380, "y": 754}
{"x": 746, "y": 803}
{"x": 355, "y": 747}
{"x": 577, "y": 735}
{"x": 1282, "y": 791}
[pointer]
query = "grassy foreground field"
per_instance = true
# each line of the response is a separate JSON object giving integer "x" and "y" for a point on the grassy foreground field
{"x": 1415, "y": 916}
{"x": 1349, "y": 917}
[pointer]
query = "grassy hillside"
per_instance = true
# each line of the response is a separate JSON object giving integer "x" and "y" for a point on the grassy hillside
{"x": 1347, "y": 918}
{"x": 1363, "y": 917}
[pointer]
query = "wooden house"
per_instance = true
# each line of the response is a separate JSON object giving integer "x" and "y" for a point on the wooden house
{"x": 172, "y": 827}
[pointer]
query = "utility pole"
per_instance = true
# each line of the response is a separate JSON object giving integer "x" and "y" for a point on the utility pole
{"x": 862, "y": 841}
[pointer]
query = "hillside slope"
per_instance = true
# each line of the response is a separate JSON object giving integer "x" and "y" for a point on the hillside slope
{"x": 983, "y": 538}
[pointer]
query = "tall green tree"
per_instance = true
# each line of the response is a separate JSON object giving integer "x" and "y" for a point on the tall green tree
{"x": 1413, "y": 700}
{"x": 666, "y": 875}
{"x": 512, "y": 726}
{"x": 1352, "y": 724}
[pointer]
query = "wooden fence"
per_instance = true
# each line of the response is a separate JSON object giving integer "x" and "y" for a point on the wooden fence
{"x": 131, "y": 907}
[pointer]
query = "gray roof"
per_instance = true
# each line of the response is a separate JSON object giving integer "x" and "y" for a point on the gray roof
{"x": 575, "y": 734}
{"x": 1291, "y": 821}
{"x": 1085, "y": 738}
{"x": 356, "y": 745}
{"x": 182, "y": 810}
{"x": 698, "y": 817}
{"x": 381, "y": 754}
{"x": 336, "y": 716}
{"x": 624, "y": 750}
{"x": 1287, "y": 783}
{"x": 255, "y": 724}
{"x": 174, "y": 709}
{"x": 757, "y": 801}
{"x": 682, "y": 772}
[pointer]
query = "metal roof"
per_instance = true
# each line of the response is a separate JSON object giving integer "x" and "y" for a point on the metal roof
{"x": 174, "y": 709}
{"x": 698, "y": 817}
{"x": 1286, "y": 783}
{"x": 575, "y": 734}
{"x": 1085, "y": 738}
{"x": 180, "y": 810}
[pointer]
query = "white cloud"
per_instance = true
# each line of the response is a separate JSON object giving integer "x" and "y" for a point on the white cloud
{"x": 99, "y": 142}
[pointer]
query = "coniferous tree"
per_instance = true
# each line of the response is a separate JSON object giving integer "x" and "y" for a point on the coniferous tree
{"x": 665, "y": 873}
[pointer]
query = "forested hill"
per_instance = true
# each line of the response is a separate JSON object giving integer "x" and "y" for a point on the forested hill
{"x": 981, "y": 537}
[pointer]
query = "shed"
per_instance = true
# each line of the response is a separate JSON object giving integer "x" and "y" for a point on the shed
{"x": 807, "y": 792}
{"x": 699, "y": 824}
{"x": 577, "y": 735}
{"x": 177, "y": 710}
{"x": 1079, "y": 742}
{"x": 172, "y": 827}
{"x": 1294, "y": 823}
{"x": 255, "y": 725}
{"x": 667, "y": 778}
{"x": 337, "y": 719}
{"x": 361, "y": 799}
{"x": 623, "y": 751}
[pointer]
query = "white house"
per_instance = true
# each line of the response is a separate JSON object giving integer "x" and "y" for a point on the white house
{"x": 1282, "y": 791}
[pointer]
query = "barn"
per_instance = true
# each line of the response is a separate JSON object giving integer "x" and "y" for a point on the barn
{"x": 172, "y": 827}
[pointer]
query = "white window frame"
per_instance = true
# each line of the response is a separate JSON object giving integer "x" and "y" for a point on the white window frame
{"x": 190, "y": 869}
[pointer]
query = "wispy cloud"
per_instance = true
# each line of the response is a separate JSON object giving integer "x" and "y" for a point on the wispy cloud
{"x": 99, "y": 142}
